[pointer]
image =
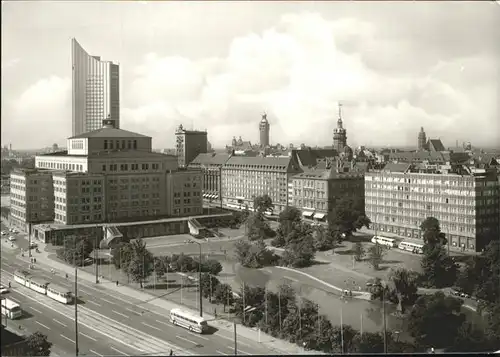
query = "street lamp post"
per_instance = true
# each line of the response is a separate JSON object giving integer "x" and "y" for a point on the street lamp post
{"x": 199, "y": 277}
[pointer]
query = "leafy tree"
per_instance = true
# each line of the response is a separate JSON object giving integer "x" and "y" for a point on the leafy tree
{"x": 184, "y": 263}
{"x": 488, "y": 278}
{"x": 345, "y": 334}
{"x": 349, "y": 215}
{"x": 432, "y": 233}
{"x": 141, "y": 263}
{"x": 435, "y": 319}
{"x": 369, "y": 342}
{"x": 211, "y": 266}
{"x": 359, "y": 251}
{"x": 493, "y": 323}
{"x": 38, "y": 345}
{"x": 438, "y": 269}
{"x": 254, "y": 297}
{"x": 254, "y": 255}
{"x": 299, "y": 249}
{"x": 287, "y": 219}
{"x": 322, "y": 239}
{"x": 121, "y": 255}
{"x": 277, "y": 310}
{"x": 263, "y": 203}
{"x": 161, "y": 265}
{"x": 257, "y": 227}
{"x": 376, "y": 255}
{"x": 405, "y": 286}
{"x": 471, "y": 338}
{"x": 467, "y": 278}
{"x": 224, "y": 295}
{"x": 301, "y": 322}
{"x": 208, "y": 284}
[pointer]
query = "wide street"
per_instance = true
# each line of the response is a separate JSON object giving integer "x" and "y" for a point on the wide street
{"x": 121, "y": 321}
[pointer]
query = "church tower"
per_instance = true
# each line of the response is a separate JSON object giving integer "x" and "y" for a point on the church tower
{"x": 422, "y": 140}
{"x": 339, "y": 134}
{"x": 264, "y": 131}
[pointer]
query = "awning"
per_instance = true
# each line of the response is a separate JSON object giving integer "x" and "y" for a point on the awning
{"x": 240, "y": 197}
{"x": 319, "y": 215}
{"x": 212, "y": 196}
{"x": 307, "y": 213}
{"x": 216, "y": 196}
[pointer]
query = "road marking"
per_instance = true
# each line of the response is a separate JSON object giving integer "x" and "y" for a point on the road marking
{"x": 11, "y": 298}
{"x": 164, "y": 323}
{"x": 135, "y": 312}
{"x": 148, "y": 325}
{"x": 32, "y": 308}
{"x": 232, "y": 339}
{"x": 95, "y": 353}
{"x": 221, "y": 353}
{"x": 119, "y": 313}
{"x": 290, "y": 278}
{"x": 187, "y": 340}
{"x": 117, "y": 350}
{"x": 83, "y": 334}
{"x": 92, "y": 302}
{"x": 245, "y": 353}
{"x": 59, "y": 322}
{"x": 109, "y": 302}
{"x": 48, "y": 328}
{"x": 84, "y": 291}
{"x": 67, "y": 338}
{"x": 199, "y": 336}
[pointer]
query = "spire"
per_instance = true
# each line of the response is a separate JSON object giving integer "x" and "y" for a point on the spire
{"x": 339, "y": 121}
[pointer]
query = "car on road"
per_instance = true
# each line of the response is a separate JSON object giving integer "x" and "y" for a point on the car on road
{"x": 3, "y": 289}
{"x": 88, "y": 261}
{"x": 12, "y": 238}
{"x": 4, "y": 233}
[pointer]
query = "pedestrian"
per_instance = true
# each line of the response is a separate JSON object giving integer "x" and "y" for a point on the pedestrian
{"x": 66, "y": 275}
{"x": 215, "y": 312}
{"x": 117, "y": 283}
{"x": 9, "y": 285}
{"x": 171, "y": 352}
{"x": 34, "y": 260}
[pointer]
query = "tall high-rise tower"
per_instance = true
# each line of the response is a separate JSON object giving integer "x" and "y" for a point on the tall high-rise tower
{"x": 95, "y": 91}
{"x": 422, "y": 140}
{"x": 264, "y": 131}
{"x": 339, "y": 134}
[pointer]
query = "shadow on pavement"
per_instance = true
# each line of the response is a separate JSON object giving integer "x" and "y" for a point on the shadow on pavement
{"x": 26, "y": 315}
{"x": 391, "y": 261}
{"x": 78, "y": 301}
{"x": 211, "y": 330}
{"x": 165, "y": 286}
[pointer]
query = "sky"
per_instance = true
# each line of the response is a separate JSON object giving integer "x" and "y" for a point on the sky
{"x": 395, "y": 67}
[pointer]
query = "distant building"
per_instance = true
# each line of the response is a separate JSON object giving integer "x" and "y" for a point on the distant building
{"x": 264, "y": 131}
{"x": 95, "y": 92}
{"x": 244, "y": 178}
{"x": 433, "y": 145}
{"x": 401, "y": 196}
{"x": 189, "y": 144}
{"x": 422, "y": 140}
{"x": 211, "y": 165}
{"x": 339, "y": 134}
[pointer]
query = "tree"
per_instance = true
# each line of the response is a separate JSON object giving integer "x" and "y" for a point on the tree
{"x": 254, "y": 297}
{"x": 263, "y": 203}
{"x": 438, "y": 269}
{"x": 435, "y": 319}
{"x": 257, "y": 228}
{"x": 224, "y": 294}
{"x": 299, "y": 249}
{"x": 359, "y": 251}
{"x": 161, "y": 265}
{"x": 121, "y": 255}
{"x": 349, "y": 215}
{"x": 375, "y": 255}
{"x": 405, "y": 286}
{"x": 467, "y": 278}
{"x": 432, "y": 235}
{"x": 141, "y": 263}
{"x": 211, "y": 266}
{"x": 208, "y": 284}
{"x": 471, "y": 338}
{"x": 369, "y": 342}
{"x": 254, "y": 255}
{"x": 288, "y": 218}
{"x": 38, "y": 345}
{"x": 488, "y": 273}
{"x": 344, "y": 334}
{"x": 322, "y": 239}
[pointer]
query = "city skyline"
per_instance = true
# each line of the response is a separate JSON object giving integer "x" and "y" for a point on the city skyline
{"x": 395, "y": 69}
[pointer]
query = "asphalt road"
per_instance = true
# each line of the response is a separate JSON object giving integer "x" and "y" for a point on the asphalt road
{"x": 139, "y": 330}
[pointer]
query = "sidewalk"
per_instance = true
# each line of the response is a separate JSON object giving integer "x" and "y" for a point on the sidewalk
{"x": 279, "y": 346}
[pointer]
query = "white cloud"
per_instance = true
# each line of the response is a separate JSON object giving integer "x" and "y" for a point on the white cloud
{"x": 42, "y": 113}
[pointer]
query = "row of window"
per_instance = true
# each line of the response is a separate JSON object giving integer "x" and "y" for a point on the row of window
{"x": 60, "y": 166}
{"x": 133, "y": 167}
{"x": 120, "y": 144}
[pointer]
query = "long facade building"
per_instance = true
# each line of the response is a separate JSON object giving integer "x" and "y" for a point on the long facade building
{"x": 210, "y": 165}
{"x": 107, "y": 175}
{"x": 401, "y": 196}
{"x": 244, "y": 178}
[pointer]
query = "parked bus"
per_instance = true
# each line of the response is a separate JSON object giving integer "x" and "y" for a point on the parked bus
{"x": 188, "y": 320}
{"x": 390, "y": 242}
{"x": 412, "y": 247}
{"x": 11, "y": 309}
{"x": 59, "y": 293}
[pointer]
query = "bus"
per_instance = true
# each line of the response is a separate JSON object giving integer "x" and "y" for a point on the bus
{"x": 412, "y": 247}
{"x": 59, "y": 293}
{"x": 11, "y": 309}
{"x": 390, "y": 242}
{"x": 188, "y": 320}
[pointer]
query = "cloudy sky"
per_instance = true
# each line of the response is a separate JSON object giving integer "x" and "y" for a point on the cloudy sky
{"x": 219, "y": 65}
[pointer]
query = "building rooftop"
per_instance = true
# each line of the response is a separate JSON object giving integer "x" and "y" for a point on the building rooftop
{"x": 396, "y": 167}
{"x": 211, "y": 159}
{"x": 113, "y": 154}
{"x": 109, "y": 133}
{"x": 436, "y": 145}
{"x": 9, "y": 338}
{"x": 280, "y": 163}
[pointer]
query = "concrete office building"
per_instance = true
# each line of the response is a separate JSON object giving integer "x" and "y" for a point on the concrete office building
{"x": 400, "y": 196}
{"x": 316, "y": 191}
{"x": 211, "y": 165}
{"x": 189, "y": 144}
{"x": 31, "y": 197}
{"x": 244, "y": 178}
{"x": 95, "y": 91}
{"x": 107, "y": 175}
